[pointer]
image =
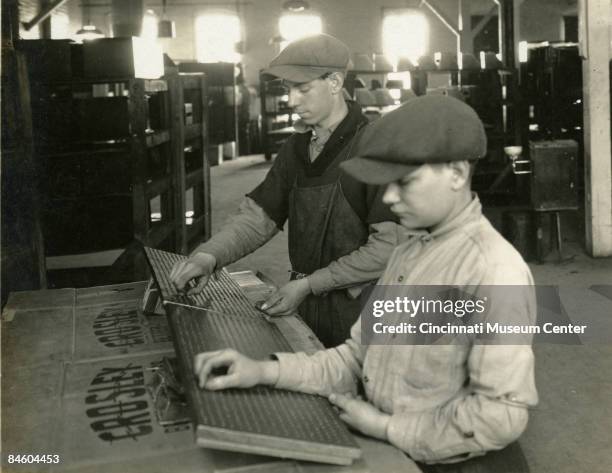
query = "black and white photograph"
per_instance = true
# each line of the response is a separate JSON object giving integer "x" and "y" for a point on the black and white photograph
{"x": 306, "y": 236}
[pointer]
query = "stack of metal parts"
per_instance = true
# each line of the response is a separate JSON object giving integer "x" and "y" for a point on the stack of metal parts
{"x": 259, "y": 420}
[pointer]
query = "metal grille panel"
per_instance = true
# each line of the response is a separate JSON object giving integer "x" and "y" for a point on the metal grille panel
{"x": 222, "y": 294}
{"x": 258, "y": 420}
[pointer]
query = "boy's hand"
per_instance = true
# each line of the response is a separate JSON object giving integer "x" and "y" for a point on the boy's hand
{"x": 242, "y": 372}
{"x": 199, "y": 267}
{"x": 361, "y": 416}
{"x": 286, "y": 300}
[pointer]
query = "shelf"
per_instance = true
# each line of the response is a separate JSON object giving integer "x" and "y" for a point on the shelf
{"x": 196, "y": 228}
{"x": 157, "y": 138}
{"x": 191, "y": 81}
{"x": 155, "y": 85}
{"x": 81, "y": 197}
{"x": 480, "y": 70}
{"x": 107, "y": 146}
{"x": 194, "y": 130}
{"x": 157, "y": 187}
{"x": 150, "y": 85}
{"x": 84, "y": 260}
{"x": 194, "y": 178}
{"x": 85, "y": 81}
{"x": 158, "y": 233}
{"x": 86, "y": 152}
{"x": 282, "y": 131}
{"x": 288, "y": 111}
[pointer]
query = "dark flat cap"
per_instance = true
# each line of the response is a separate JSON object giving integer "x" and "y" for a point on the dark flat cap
{"x": 428, "y": 129}
{"x": 308, "y": 58}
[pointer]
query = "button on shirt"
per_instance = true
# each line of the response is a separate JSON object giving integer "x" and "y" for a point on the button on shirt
{"x": 447, "y": 402}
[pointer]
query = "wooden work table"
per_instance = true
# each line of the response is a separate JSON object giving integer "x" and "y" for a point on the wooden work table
{"x": 75, "y": 370}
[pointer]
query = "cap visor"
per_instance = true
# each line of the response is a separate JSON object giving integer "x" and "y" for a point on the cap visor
{"x": 298, "y": 74}
{"x": 373, "y": 171}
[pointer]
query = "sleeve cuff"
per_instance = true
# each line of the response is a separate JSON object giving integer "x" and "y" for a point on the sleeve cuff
{"x": 321, "y": 281}
{"x": 289, "y": 371}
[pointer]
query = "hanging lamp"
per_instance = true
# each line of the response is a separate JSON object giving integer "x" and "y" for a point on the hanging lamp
{"x": 296, "y": 5}
{"x": 165, "y": 28}
{"x": 88, "y": 31}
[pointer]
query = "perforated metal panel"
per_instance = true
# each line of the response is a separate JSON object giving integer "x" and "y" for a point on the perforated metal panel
{"x": 258, "y": 420}
{"x": 222, "y": 294}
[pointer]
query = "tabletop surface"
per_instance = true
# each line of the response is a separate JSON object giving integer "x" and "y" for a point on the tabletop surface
{"x": 77, "y": 367}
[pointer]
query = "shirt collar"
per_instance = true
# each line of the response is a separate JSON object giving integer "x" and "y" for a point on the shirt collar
{"x": 471, "y": 212}
{"x": 320, "y": 133}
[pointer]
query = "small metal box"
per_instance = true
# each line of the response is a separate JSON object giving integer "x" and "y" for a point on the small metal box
{"x": 554, "y": 174}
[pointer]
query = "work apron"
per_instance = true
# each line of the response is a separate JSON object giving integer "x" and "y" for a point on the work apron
{"x": 323, "y": 227}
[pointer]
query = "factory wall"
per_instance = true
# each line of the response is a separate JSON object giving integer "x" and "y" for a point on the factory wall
{"x": 357, "y": 22}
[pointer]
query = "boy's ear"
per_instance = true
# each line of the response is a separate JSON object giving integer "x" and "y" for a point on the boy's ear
{"x": 337, "y": 81}
{"x": 460, "y": 174}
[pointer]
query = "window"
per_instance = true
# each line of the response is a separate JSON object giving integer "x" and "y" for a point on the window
{"x": 570, "y": 28}
{"x": 149, "y": 26}
{"x": 405, "y": 35}
{"x": 296, "y": 26}
{"x": 60, "y": 26}
{"x": 216, "y": 38}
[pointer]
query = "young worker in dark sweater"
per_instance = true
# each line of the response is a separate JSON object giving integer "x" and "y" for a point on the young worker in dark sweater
{"x": 340, "y": 232}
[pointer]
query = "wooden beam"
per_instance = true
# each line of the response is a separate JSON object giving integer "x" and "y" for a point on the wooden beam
{"x": 516, "y": 12}
{"x": 482, "y": 23}
{"x": 466, "y": 38}
{"x": 43, "y": 14}
{"x": 595, "y": 48}
{"x": 10, "y": 23}
{"x": 508, "y": 44}
{"x": 441, "y": 16}
{"x": 45, "y": 25}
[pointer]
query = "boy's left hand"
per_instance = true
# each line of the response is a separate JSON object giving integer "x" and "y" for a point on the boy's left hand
{"x": 361, "y": 415}
{"x": 285, "y": 301}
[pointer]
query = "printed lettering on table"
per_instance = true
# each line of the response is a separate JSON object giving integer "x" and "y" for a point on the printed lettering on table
{"x": 120, "y": 328}
{"x": 119, "y": 407}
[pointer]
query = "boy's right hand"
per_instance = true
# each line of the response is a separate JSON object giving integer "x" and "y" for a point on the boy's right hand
{"x": 242, "y": 371}
{"x": 199, "y": 266}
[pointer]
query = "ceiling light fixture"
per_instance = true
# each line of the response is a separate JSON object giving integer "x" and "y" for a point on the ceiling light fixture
{"x": 296, "y": 5}
{"x": 88, "y": 31}
{"x": 165, "y": 28}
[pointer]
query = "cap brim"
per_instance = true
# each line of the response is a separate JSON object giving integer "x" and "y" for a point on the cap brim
{"x": 298, "y": 74}
{"x": 377, "y": 172}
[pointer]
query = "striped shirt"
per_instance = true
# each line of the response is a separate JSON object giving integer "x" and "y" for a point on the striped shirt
{"x": 447, "y": 402}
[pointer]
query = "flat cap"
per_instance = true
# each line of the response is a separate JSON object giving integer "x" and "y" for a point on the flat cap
{"x": 428, "y": 129}
{"x": 311, "y": 57}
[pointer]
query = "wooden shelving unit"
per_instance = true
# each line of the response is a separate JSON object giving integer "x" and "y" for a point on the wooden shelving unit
{"x": 22, "y": 246}
{"x": 221, "y": 93}
{"x": 120, "y": 160}
{"x": 277, "y": 122}
{"x": 192, "y": 166}
{"x": 105, "y": 167}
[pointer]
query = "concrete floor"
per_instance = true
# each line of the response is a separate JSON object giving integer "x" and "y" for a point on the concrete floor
{"x": 571, "y": 429}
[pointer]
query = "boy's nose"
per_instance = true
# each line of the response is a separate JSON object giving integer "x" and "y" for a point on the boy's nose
{"x": 391, "y": 194}
{"x": 293, "y": 97}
